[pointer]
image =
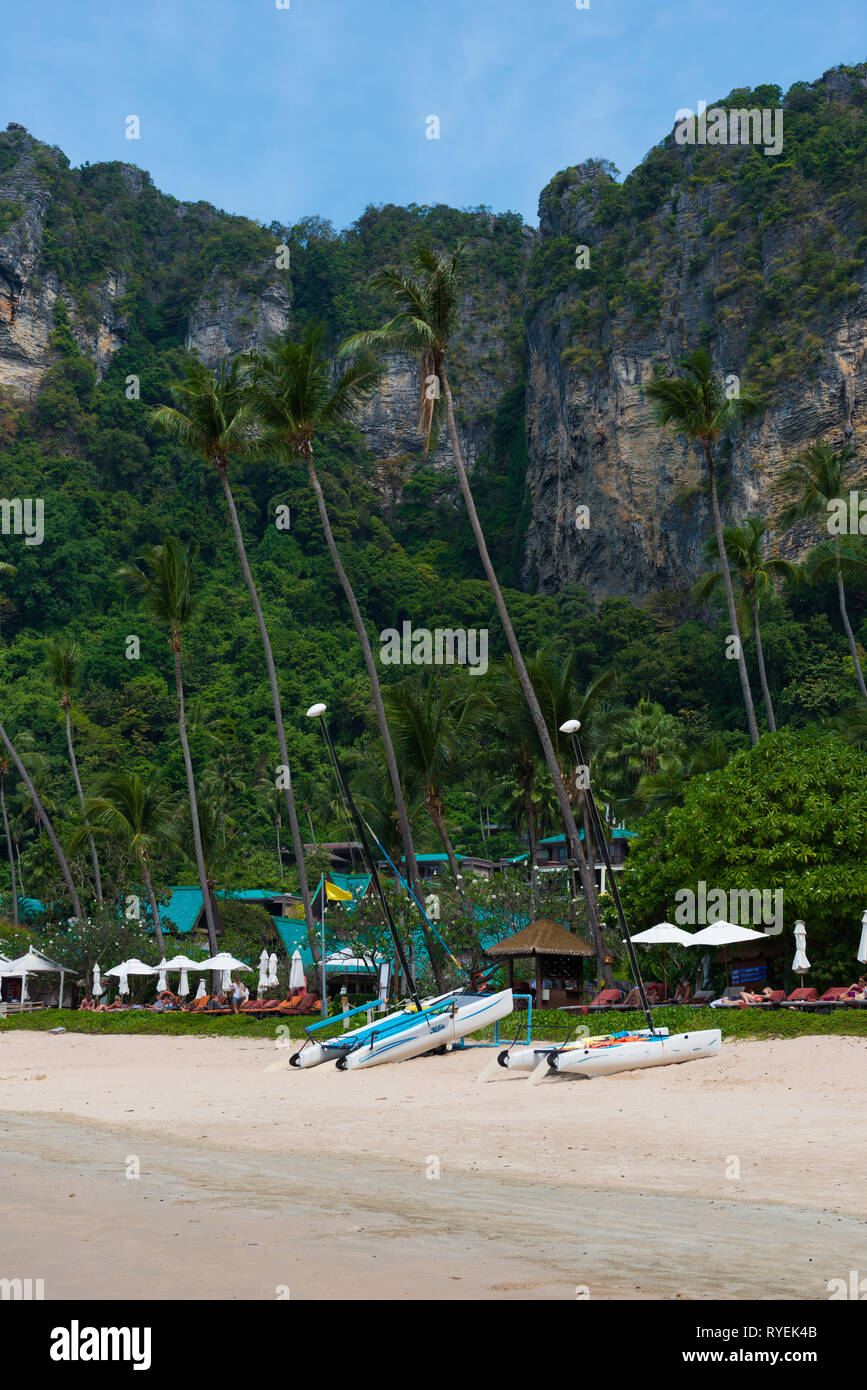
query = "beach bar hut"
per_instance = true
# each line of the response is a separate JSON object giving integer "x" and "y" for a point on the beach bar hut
{"x": 558, "y": 955}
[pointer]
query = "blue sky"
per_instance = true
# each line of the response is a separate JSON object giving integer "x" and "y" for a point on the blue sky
{"x": 321, "y": 107}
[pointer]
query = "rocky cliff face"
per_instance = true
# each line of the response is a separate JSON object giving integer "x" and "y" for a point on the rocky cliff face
{"x": 759, "y": 258}
{"x": 757, "y": 261}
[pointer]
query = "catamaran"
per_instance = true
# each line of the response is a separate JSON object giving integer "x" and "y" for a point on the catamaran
{"x": 421, "y": 1026}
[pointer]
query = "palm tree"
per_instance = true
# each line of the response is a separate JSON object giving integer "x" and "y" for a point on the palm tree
{"x": 64, "y": 660}
{"x": 165, "y": 580}
{"x": 214, "y": 419}
{"x": 42, "y": 816}
{"x": 433, "y": 724}
{"x": 695, "y": 404}
{"x": 133, "y": 811}
{"x": 645, "y": 740}
{"x": 664, "y": 788}
{"x": 429, "y": 304}
{"x": 7, "y": 571}
{"x": 295, "y": 396}
{"x": 756, "y": 574}
{"x": 5, "y": 765}
{"x": 820, "y": 477}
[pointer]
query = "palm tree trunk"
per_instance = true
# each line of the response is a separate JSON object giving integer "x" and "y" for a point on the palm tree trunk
{"x": 844, "y": 614}
{"x": 91, "y": 841}
{"x": 9, "y": 849}
{"x": 297, "y": 846}
{"x": 382, "y": 722}
{"x": 42, "y": 815}
{"x": 530, "y": 817}
{"x": 587, "y": 883}
{"x": 191, "y": 793}
{"x": 763, "y": 675}
{"x": 730, "y": 598}
{"x": 279, "y": 852}
{"x": 152, "y": 898}
{"x": 437, "y": 818}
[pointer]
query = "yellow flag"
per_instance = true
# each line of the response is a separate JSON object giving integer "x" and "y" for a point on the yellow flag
{"x": 335, "y": 894}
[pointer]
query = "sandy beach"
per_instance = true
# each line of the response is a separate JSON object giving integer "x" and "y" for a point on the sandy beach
{"x": 739, "y": 1177}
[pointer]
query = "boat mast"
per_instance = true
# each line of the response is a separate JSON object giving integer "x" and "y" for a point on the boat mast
{"x": 317, "y": 712}
{"x": 571, "y": 727}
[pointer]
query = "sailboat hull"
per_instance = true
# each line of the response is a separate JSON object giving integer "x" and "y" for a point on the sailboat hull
{"x": 466, "y": 1014}
{"x": 660, "y": 1051}
{"x": 528, "y": 1058}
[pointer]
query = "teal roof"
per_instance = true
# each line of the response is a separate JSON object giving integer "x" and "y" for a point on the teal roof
{"x": 616, "y": 834}
{"x": 185, "y": 905}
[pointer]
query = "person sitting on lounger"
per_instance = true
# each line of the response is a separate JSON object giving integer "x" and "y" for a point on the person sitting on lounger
{"x": 87, "y": 1003}
{"x": 683, "y": 993}
{"x": 633, "y": 999}
{"x": 857, "y": 991}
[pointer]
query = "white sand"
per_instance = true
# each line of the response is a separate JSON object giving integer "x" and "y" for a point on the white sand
{"x": 742, "y": 1176}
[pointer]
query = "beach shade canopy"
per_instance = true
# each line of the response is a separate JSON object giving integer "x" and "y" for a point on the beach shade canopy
{"x": 862, "y": 947}
{"x": 296, "y": 972}
{"x": 800, "y": 965}
{"x": 222, "y": 961}
{"x": 664, "y": 934}
{"x": 182, "y": 963}
{"x": 542, "y": 938}
{"x": 30, "y": 963}
{"x": 724, "y": 934}
{"x": 132, "y": 967}
{"x": 263, "y": 972}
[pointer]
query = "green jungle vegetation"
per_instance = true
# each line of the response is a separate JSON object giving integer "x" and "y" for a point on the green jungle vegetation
{"x": 661, "y": 707}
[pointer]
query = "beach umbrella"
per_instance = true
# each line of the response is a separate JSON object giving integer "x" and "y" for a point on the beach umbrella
{"x": 134, "y": 966}
{"x": 222, "y": 961}
{"x": 263, "y": 973}
{"x": 201, "y": 990}
{"x": 800, "y": 965}
{"x": 182, "y": 963}
{"x": 296, "y": 972}
{"x": 272, "y": 968}
{"x": 862, "y": 948}
{"x": 664, "y": 934}
{"x": 96, "y": 988}
{"x": 725, "y": 934}
{"x": 162, "y": 982}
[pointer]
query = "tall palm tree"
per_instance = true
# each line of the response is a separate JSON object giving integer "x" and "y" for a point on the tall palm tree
{"x": 295, "y": 396}
{"x": 646, "y": 738}
{"x": 433, "y": 724}
{"x": 165, "y": 580}
{"x": 5, "y": 765}
{"x": 64, "y": 662}
{"x": 213, "y": 417}
{"x": 696, "y": 404}
{"x": 135, "y": 812}
{"x": 42, "y": 816}
{"x": 821, "y": 476}
{"x": 429, "y": 305}
{"x": 665, "y": 787}
{"x": 756, "y": 572}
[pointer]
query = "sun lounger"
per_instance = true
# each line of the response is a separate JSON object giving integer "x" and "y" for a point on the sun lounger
{"x": 307, "y": 1004}
{"x": 605, "y": 999}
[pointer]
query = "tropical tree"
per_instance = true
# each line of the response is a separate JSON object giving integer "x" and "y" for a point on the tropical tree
{"x": 666, "y": 786}
{"x": 296, "y": 396}
{"x": 135, "y": 812}
{"x": 165, "y": 580}
{"x": 647, "y": 740}
{"x": 7, "y": 571}
{"x": 756, "y": 573}
{"x": 433, "y": 723}
{"x": 212, "y": 416}
{"x": 64, "y": 662}
{"x": 429, "y": 304}
{"x": 820, "y": 479}
{"x": 42, "y": 818}
{"x": 697, "y": 405}
{"x": 5, "y": 765}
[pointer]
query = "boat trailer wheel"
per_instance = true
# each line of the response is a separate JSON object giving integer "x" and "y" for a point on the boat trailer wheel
{"x": 503, "y": 1057}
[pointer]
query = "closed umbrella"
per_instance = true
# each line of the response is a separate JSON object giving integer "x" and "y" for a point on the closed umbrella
{"x": 272, "y": 968}
{"x": 800, "y": 965}
{"x": 263, "y": 973}
{"x": 862, "y": 948}
{"x": 162, "y": 982}
{"x": 201, "y": 990}
{"x": 296, "y": 972}
{"x": 96, "y": 988}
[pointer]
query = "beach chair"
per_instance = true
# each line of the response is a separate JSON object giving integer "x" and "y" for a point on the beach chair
{"x": 801, "y": 997}
{"x": 701, "y": 999}
{"x": 307, "y": 1004}
{"x": 605, "y": 999}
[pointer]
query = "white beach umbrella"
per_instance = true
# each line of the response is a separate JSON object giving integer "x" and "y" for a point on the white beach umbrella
{"x": 162, "y": 982}
{"x": 272, "y": 968}
{"x": 725, "y": 934}
{"x": 664, "y": 933}
{"x": 862, "y": 948}
{"x": 184, "y": 985}
{"x": 222, "y": 961}
{"x": 201, "y": 990}
{"x": 96, "y": 988}
{"x": 182, "y": 963}
{"x": 134, "y": 966}
{"x": 296, "y": 972}
{"x": 263, "y": 973}
{"x": 800, "y": 965}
